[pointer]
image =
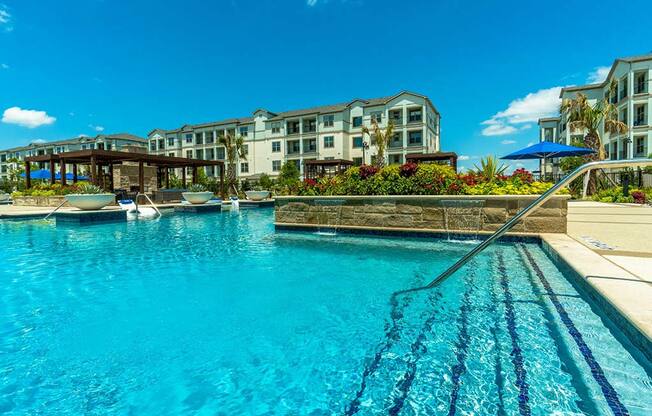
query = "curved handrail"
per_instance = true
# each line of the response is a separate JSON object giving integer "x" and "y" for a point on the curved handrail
{"x": 587, "y": 167}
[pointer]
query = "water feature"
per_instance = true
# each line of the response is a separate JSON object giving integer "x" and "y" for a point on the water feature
{"x": 328, "y": 219}
{"x": 462, "y": 215}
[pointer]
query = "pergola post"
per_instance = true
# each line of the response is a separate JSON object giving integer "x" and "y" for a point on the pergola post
{"x": 183, "y": 177}
{"x": 62, "y": 170}
{"x": 167, "y": 178}
{"x": 111, "y": 186}
{"x": 52, "y": 177}
{"x": 194, "y": 174}
{"x": 28, "y": 175}
{"x": 93, "y": 171}
{"x": 74, "y": 173}
{"x": 141, "y": 176}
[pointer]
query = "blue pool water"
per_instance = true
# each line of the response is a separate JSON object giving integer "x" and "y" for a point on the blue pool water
{"x": 217, "y": 314}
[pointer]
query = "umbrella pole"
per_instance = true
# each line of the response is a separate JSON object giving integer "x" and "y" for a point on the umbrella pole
{"x": 543, "y": 170}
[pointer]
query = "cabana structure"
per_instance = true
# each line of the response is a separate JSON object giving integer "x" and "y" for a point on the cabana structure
{"x": 444, "y": 158}
{"x": 325, "y": 168}
{"x": 99, "y": 159}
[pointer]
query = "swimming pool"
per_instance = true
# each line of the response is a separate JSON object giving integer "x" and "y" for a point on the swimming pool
{"x": 218, "y": 314}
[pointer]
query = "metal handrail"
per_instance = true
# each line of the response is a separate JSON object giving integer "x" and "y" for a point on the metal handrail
{"x": 585, "y": 168}
{"x": 55, "y": 210}
{"x": 150, "y": 201}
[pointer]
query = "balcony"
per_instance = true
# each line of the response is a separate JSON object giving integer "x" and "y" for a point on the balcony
{"x": 293, "y": 127}
{"x": 640, "y": 122}
{"x": 310, "y": 126}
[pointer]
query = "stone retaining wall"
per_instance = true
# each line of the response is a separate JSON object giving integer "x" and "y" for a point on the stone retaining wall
{"x": 485, "y": 213}
{"x": 38, "y": 201}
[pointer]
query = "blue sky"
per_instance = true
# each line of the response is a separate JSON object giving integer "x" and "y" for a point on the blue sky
{"x": 491, "y": 68}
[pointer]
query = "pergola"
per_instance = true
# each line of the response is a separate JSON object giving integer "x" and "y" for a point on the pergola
{"x": 449, "y": 158}
{"x": 97, "y": 159}
{"x": 328, "y": 167}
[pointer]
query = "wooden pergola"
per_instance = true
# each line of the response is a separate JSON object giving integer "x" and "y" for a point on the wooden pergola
{"x": 97, "y": 159}
{"x": 449, "y": 158}
{"x": 326, "y": 168}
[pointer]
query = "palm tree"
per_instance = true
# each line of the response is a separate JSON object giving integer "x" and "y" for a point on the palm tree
{"x": 234, "y": 150}
{"x": 583, "y": 115}
{"x": 382, "y": 140}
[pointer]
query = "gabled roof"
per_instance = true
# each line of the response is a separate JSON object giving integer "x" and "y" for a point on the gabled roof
{"x": 627, "y": 59}
{"x": 79, "y": 139}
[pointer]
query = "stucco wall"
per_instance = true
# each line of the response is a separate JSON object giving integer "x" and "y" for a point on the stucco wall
{"x": 452, "y": 213}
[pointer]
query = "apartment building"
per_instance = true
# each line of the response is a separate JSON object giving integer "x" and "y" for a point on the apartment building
{"x": 627, "y": 86}
{"x": 10, "y": 158}
{"x": 325, "y": 132}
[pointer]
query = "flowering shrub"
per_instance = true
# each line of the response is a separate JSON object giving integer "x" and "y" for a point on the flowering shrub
{"x": 367, "y": 171}
{"x": 43, "y": 189}
{"x": 408, "y": 169}
{"x": 422, "y": 179}
{"x": 638, "y": 196}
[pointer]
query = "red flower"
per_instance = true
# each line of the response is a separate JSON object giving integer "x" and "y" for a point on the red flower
{"x": 310, "y": 182}
{"x": 367, "y": 171}
{"x": 639, "y": 197}
{"x": 408, "y": 169}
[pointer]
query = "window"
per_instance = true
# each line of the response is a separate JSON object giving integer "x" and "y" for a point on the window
{"x": 293, "y": 147}
{"x": 309, "y": 145}
{"x": 357, "y": 121}
{"x": 328, "y": 120}
{"x": 377, "y": 116}
{"x": 170, "y": 141}
{"x": 357, "y": 161}
{"x": 210, "y": 154}
{"x": 357, "y": 142}
{"x": 276, "y": 165}
{"x": 188, "y": 138}
{"x": 623, "y": 88}
{"x": 152, "y": 146}
{"x": 276, "y": 127}
{"x": 414, "y": 138}
{"x": 210, "y": 137}
{"x": 396, "y": 140}
{"x": 396, "y": 116}
{"x": 244, "y": 167}
{"x": 189, "y": 154}
{"x": 171, "y": 154}
{"x": 161, "y": 144}
{"x": 3, "y": 158}
{"x": 639, "y": 143}
{"x": 329, "y": 158}
{"x": 329, "y": 142}
{"x": 244, "y": 131}
{"x": 245, "y": 149}
{"x": 310, "y": 125}
{"x": 640, "y": 86}
{"x": 199, "y": 138}
{"x": 199, "y": 154}
{"x": 221, "y": 152}
{"x": 293, "y": 127}
{"x": 276, "y": 147}
{"x": 640, "y": 116}
{"x": 547, "y": 134}
{"x": 414, "y": 115}
{"x": 395, "y": 159}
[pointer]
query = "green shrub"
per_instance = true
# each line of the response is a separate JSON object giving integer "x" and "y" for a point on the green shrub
{"x": 197, "y": 187}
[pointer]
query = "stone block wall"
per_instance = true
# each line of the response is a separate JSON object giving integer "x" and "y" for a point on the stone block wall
{"x": 484, "y": 213}
{"x": 126, "y": 175}
{"x": 38, "y": 201}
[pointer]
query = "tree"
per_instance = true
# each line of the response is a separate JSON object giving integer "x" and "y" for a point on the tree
{"x": 381, "y": 138}
{"x": 582, "y": 115}
{"x": 234, "y": 151}
{"x": 289, "y": 175}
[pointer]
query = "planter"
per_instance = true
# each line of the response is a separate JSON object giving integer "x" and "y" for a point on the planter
{"x": 4, "y": 197}
{"x": 197, "y": 197}
{"x": 88, "y": 202}
{"x": 257, "y": 195}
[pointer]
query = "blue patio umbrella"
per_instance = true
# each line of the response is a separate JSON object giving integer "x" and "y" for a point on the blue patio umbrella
{"x": 69, "y": 176}
{"x": 38, "y": 174}
{"x": 543, "y": 150}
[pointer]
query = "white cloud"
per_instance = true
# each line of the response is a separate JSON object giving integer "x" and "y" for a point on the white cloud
{"x": 598, "y": 74}
{"x": 528, "y": 109}
{"x": 38, "y": 141}
{"x": 71, "y": 114}
{"x": 4, "y": 66}
{"x": 96, "y": 128}
{"x": 26, "y": 118}
{"x": 311, "y": 2}
{"x": 463, "y": 157}
{"x": 508, "y": 142}
{"x": 5, "y": 19}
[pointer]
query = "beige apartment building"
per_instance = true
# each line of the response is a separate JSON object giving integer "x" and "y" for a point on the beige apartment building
{"x": 627, "y": 86}
{"x": 319, "y": 133}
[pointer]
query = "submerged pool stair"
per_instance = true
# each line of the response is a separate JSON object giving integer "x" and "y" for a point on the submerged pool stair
{"x": 474, "y": 355}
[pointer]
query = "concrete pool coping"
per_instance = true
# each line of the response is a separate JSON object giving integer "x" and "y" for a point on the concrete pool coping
{"x": 623, "y": 297}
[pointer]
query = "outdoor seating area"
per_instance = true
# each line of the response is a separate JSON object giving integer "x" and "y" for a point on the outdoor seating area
{"x": 101, "y": 163}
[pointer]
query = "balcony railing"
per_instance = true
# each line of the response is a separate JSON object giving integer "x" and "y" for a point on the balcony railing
{"x": 640, "y": 122}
